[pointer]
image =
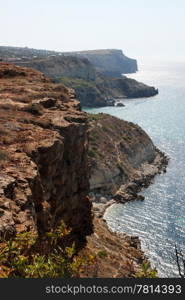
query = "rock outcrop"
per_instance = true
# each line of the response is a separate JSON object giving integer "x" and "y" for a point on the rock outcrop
{"x": 122, "y": 158}
{"x": 110, "y": 62}
{"x": 43, "y": 165}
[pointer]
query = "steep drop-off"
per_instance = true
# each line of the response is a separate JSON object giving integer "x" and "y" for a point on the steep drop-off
{"x": 43, "y": 165}
{"x": 110, "y": 62}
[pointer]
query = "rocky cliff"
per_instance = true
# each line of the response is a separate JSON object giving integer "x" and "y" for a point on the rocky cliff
{"x": 110, "y": 62}
{"x": 86, "y": 72}
{"x": 43, "y": 165}
{"x": 120, "y": 153}
{"x": 44, "y": 170}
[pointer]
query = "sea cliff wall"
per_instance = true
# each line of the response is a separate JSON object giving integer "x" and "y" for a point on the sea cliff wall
{"x": 43, "y": 163}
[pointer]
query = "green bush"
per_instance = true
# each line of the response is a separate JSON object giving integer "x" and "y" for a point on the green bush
{"x": 91, "y": 153}
{"x": 102, "y": 254}
{"x": 77, "y": 82}
{"x": 21, "y": 256}
{"x": 146, "y": 271}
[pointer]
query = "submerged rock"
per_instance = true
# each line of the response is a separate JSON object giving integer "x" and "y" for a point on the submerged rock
{"x": 120, "y": 104}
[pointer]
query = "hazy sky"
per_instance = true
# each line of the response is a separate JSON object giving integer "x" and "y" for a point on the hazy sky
{"x": 141, "y": 28}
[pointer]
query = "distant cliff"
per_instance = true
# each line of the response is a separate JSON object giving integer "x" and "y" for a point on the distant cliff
{"x": 92, "y": 87}
{"x": 95, "y": 75}
{"x": 110, "y": 62}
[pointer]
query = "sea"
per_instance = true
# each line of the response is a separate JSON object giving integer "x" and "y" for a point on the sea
{"x": 159, "y": 220}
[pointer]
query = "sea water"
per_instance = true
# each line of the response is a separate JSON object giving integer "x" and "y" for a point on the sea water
{"x": 159, "y": 220}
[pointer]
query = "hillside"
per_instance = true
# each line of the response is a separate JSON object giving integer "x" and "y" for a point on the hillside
{"x": 21, "y": 53}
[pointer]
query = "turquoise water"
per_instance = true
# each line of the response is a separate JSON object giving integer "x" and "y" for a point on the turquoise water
{"x": 159, "y": 221}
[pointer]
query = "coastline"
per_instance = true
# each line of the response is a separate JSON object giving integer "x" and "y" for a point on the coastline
{"x": 129, "y": 154}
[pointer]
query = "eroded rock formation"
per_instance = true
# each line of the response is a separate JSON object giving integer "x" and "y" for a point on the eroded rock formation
{"x": 43, "y": 165}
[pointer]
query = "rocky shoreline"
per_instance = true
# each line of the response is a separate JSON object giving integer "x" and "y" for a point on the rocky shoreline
{"x": 124, "y": 256}
{"x": 130, "y": 191}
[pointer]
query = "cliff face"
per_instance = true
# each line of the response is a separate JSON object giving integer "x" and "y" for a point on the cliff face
{"x": 43, "y": 166}
{"x": 120, "y": 152}
{"x": 110, "y": 62}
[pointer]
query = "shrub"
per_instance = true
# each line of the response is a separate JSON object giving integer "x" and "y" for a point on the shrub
{"x": 23, "y": 256}
{"x": 91, "y": 153}
{"x": 77, "y": 83}
{"x": 102, "y": 254}
{"x": 146, "y": 271}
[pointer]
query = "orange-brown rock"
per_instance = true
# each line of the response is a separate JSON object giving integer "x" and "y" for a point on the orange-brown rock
{"x": 116, "y": 255}
{"x": 43, "y": 166}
